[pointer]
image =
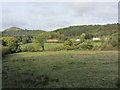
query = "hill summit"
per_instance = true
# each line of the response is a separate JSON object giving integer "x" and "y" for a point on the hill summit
{"x": 14, "y": 29}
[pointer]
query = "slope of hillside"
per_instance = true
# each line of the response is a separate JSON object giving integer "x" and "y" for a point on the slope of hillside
{"x": 15, "y": 31}
{"x": 77, "y": 30}
{"x": 67, "y": 31}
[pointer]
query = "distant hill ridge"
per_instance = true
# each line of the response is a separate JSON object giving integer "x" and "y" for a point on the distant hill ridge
{"x": 15, "y": 31}
{"x": 79, "y": 29}
{"x": 67, "y": 31}
{"x": 19, "y": 29}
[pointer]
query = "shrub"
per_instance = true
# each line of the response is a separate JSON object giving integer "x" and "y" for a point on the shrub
{"x": 25, "y": 40}
{"x": 107, "y": 46}
{"x": 68, "y": 43}
{"x": 114, "y": 42}
{"x": 97, "y": 47}
{"x": 85, "y": 45}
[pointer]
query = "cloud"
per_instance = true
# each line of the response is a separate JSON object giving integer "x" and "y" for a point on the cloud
{"x": 10, "y": 22}
{"x": 51, "y": 15}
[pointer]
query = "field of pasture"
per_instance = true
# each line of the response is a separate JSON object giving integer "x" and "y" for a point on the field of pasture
{"x": 48, "y": 46}
{"x": 61, "y": 69}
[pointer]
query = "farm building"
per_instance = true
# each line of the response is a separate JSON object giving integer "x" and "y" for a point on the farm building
{"x": 52, "y": 40}
{"x": 96, "y": 39}
{"x": 77, "y": 40}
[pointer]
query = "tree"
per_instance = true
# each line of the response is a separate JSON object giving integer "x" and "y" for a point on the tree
{"x": 88, "y": 36}
{"x": 86, "y": 45}
{"x": 68, "y": 43}
{"x": 19, "y": 38}
{"x": 3, "y": 43}
{"x": 25, "y": 40}
{"x": 82, "y": 36}
{"x": 11, "y": 43}
{"x": 41, "y": 39}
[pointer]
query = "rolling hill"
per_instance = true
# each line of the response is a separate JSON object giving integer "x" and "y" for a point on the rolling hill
{"x": 77, "y": 30}
{"x": 67, "y": 31}
{"x": 15, "y": 31}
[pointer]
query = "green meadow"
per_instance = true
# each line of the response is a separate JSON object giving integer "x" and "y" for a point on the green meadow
{"x": 61, "y": 69}
{"x": 48, "y": 46}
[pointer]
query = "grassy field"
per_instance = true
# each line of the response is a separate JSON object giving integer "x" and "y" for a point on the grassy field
{"x": 48, "y": 46}
{"x": 61, "y": 69}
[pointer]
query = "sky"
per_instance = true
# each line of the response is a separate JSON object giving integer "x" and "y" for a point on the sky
{"x": 49, "y": 16}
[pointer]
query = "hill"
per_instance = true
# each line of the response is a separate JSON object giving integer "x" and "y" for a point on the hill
{"x": 15, "y": 31}
{"x": 77, "y": 30}
{"x": 67, "y": 31}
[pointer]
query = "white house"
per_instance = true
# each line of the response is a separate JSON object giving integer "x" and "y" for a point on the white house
{"x": 96, "y": 39}
{"x": 106, "y": 38}
{"x": 77, "y": 39}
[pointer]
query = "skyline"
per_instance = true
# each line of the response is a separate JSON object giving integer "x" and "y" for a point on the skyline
{"x": 49, "y": 16}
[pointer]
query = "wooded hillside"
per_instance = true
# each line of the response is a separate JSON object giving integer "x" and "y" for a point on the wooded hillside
{"x": 77, "y": 30}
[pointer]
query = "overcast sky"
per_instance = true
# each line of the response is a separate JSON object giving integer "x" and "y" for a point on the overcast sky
{"x": 52, "y": 15}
